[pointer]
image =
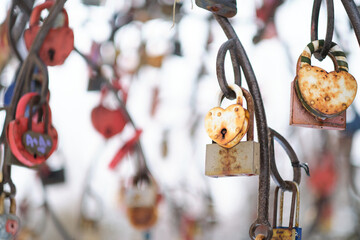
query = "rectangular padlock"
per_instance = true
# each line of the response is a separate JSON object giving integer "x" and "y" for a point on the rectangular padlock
{"x": 292, "y": 232}
{"x": 299, "y": 116}
{"x": 242, "y": 159}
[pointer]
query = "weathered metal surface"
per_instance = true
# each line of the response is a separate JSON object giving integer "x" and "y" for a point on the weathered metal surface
{"x": 292, "y": 156}
{"x": 58, "y": 43}
{"x": 228, "y": 126}
{"x": 242, "y": 159}
{"x": 299, "y": 116}
{"x": 354, "y": 16}
{"x": 329, "y": 28}
{"x": 328, "y": 94}
{"x": 262, "y": 130}
{"x": 225, "y": 8}
{"x": 292, "y": 232}
{"x": 324, "y": 94}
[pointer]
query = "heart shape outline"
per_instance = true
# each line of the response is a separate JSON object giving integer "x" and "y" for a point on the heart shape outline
{"x": 325, "y": 94}
{"x": 231, "y": 119}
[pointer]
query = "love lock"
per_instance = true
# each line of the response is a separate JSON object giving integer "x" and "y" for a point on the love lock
{"x": 319, "y": 99}
{"x": 58, "y": 43}
{"x": 108, "y": 122}
{"x": 230, "y": 157}
{"x": 291, "y": 232}
{"x": 9, "y": 222}
{"x": 141, "y": 200}
{"x": 31, "y": 140}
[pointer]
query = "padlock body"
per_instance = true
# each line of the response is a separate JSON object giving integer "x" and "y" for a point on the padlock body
{"x": 16, "y": 129}
{"x": 225, "y": 8}
{"x": 108, "y": 122}
{"x": 284, "y": 233}
{"x": 136, "y": 197}
{"x": 57, "y": 46}
{"x": 9, "y": 226}
{"x": 142, "y": 218}
{"x": 241, "y": 160}
{"x": 299, "y": 116}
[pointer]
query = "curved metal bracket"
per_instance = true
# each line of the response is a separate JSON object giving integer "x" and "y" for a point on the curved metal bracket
{"x": 293, "y": 158}
{"x": 264, "y": 177}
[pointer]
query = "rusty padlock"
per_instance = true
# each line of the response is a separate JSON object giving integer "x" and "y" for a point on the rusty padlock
{"x": 58, "y": 43}
{"x": 32, "y": 139}
{"x": 9, "y": 222}
{"x": 141, "y": 200}
{"x": 225, "y": 8}
{"x": 318, "y": 98}
{"x": 292, "y": 232}
{"x": 108, "y": 122}
{"x": 243, "y": 158}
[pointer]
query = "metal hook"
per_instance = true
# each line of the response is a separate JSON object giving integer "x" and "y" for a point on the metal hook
{"x": 329, "y": 29}
{"x": 229, "y": 45}
{"x": 293, "y": 158}
{"x": 264, "y": 177}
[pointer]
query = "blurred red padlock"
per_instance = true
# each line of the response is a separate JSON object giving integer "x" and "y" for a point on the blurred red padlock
{"x": 108, "y": 122}
{"x": 32, "y": 139}
{"x": 58, "y": 43}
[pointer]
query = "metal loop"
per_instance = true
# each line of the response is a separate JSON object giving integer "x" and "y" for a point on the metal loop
{"x": 262, "y": 129}
{"x": 229, "y": 45}
{"x": 329, "y": 29}
{"x": 256, "y": 225}
{"x": 293, "y": 158}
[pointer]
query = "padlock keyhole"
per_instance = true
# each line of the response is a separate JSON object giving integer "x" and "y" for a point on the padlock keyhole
{"x": 223, "y": 132}
{"x": 51, "y": 53}
{"x": 108, "y": 131}
{"x": 35, "y": 156}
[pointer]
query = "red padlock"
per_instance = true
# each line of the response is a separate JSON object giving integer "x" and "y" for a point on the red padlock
{"x": 31, "y": 142}
{"x": 108, "y": 122}
{"x": 58, "y": 43}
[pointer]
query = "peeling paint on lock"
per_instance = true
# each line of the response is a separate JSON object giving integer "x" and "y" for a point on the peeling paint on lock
{"x": 243, "y": 159}
{"x": 236, "y": 158}
{"x": 319, "y": 98}
{"x": 325, "y": 94}
{"x": 228, "y": 126}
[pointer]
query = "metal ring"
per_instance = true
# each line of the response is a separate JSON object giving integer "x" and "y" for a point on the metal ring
{"x": 229, "y": 45}
{"x": 329, "y": 29}
{"x": 256, "y": 225}
{"x": 293, "y": 158}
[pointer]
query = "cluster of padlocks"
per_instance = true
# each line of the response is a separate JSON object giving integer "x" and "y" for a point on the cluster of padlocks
{"x": 319, "y": 99}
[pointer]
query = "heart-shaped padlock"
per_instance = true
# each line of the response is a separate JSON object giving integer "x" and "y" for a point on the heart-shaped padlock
{"x": 323, "y": 94}
{"x": 32, "y": 140}
{"x": 141, "y": 200}
{"x": 108, "y": 122}
{"x": 9, "y": 222}
{"x": 228, "y": 126}
{"x": 58, "y": 43}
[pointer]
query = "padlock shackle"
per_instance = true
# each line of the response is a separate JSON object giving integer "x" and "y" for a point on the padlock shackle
{"x": 25, "y": 101}
{"x": 12, "y": 206}
{"x": 295, "y": 205}
{"x": 336, "y": 54}
{"x": 35, "y": 15}
{"x": 238, "y": 94}
{"x": 2, "y": 203}
{"x": 250, "y": 109}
